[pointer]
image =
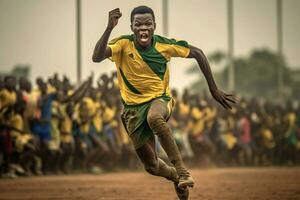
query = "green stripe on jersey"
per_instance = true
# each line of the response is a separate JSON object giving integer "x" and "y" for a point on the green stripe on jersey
{"x": 156, "y": 61}
{"x": 128, "y": 84}
{"x": 164, "y": 40}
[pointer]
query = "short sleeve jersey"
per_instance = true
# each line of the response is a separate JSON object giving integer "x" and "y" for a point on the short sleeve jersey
{"x": 7, "y": 98}
{"x": 143, "y": 74}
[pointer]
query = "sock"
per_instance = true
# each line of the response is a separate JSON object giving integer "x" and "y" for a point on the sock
{"x": 163, "y": 131}
{"x": 167, "y": 171}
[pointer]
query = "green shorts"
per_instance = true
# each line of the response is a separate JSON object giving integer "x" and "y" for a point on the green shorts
{"x": 134, "y": 118}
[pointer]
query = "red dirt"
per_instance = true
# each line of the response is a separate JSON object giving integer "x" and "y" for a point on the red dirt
{"x": 214, "y": 184}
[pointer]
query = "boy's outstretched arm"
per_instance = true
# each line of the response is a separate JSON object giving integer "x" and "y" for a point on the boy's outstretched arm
{"x": 101, "y": 50}
{"x": 223, "y": 98}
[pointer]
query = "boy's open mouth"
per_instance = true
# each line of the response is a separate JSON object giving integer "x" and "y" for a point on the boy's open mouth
{"x": 144, "y": 37}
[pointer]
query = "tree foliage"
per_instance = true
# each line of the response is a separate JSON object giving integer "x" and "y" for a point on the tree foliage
{"x": 255, "y": 75}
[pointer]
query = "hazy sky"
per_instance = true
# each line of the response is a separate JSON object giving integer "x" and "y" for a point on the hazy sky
{"x": 42, "y": 32}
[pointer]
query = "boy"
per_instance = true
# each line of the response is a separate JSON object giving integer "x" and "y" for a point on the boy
{"x": 143, "y": 76}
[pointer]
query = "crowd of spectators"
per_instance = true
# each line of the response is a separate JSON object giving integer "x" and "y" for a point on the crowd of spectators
{"x": 56, "y": 127}
{"x": 253, "y": 133}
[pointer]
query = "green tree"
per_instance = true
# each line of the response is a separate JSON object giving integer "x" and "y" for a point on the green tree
{"x": 216, "y": 58}
{"x": 256, "y": 75}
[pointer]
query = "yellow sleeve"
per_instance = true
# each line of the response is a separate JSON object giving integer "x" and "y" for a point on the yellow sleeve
{"x": 179, "y": 49}
{"x": 116, "y": 49}
{"x": 172, "y": 47}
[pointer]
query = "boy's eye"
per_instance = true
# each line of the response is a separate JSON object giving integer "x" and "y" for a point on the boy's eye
{"x": 140, "y": 24}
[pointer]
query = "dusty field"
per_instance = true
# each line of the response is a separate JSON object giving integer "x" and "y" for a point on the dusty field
{"x": 214, "y": 184}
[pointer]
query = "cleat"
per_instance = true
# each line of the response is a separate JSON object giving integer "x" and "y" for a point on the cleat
{"x": 182, "y": 193}
{"x": 185, "y": 181}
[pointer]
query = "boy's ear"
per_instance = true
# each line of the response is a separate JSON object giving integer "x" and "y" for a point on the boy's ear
{"x": 131, "y": 27}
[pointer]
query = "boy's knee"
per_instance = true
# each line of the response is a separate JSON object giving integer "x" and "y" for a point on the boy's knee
{"x": 155, "y": 120}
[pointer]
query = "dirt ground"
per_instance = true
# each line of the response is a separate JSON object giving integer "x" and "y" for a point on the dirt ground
{"x": 214, "y": 184}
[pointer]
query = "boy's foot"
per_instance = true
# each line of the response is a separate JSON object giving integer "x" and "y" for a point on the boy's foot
{"x": 182, "y": 193}
{"x": 185, "y": 180}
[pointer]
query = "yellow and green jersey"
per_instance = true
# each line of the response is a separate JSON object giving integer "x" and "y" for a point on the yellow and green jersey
{"x": 144, "y": 75}
{"x": 7, "y": 98}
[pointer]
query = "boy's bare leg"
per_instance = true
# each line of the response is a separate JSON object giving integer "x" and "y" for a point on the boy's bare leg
{"x": 157, "y": 115}
{"x": 158, "y": 167}
{"x": 153, "y": 164}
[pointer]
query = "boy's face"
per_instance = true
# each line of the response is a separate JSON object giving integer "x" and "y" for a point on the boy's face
{"x": 10, "y": 83}
{"x": 43, "y": 88}
{"x": 143, "y": 27}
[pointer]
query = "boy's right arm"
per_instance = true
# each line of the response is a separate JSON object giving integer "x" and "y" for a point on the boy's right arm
{"x": 102, "y": 51}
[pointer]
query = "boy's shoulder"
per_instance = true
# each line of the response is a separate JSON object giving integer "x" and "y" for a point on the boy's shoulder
{"x": 172, "y": 41}
{"x": 122, "y": 37}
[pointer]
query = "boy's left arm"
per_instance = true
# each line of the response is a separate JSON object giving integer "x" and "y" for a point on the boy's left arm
{"x": 202, "y": 61}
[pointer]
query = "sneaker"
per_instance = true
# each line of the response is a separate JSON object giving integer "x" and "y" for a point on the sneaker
{"x": 95, "y": 170}
{"x": 38, "y": 172}
{"x": 185, "y": 180}
{"x": 182, "y": 193}
{"x": 17, "y": 169}
{"x": 11, "y": 175}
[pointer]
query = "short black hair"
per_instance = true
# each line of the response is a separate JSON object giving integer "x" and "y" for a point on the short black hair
{"x": 141, "y": 10}
{"x": 6, "y": 78}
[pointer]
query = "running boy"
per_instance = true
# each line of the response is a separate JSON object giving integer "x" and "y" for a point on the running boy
{"x": 141, "y": 60}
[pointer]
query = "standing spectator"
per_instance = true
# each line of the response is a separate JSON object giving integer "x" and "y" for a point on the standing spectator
{"x": 244, "y": 130}
{"x": 8, "y": 99}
